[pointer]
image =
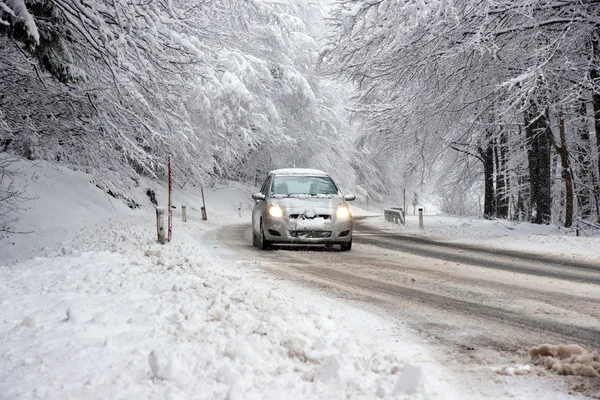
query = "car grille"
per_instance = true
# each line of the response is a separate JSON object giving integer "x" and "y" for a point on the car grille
{"x": 310, "y": 234}
{"x": 302, "y": 216}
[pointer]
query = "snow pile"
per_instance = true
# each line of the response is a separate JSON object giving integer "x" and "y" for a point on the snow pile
{"x": 415, "y": 379}
{"x": 567, "y": 359}
{"x": 513, "y": 370}
{"x": 150, "y": 321}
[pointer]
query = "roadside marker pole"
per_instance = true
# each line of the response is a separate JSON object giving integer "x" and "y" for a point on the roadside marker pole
{"x": 421, "y": 218}
{"x": 170, "y": 228}
{"x": 404, "y": 209}
{"x": 160, "y": 224}
{"x": 203, "y": 208}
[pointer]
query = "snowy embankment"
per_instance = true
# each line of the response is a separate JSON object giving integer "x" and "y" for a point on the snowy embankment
{"x": 92, "y": 307}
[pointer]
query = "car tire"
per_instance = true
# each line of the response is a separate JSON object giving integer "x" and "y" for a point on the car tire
{"x": 347, "y": 246}
{"x": 264, "y": 243}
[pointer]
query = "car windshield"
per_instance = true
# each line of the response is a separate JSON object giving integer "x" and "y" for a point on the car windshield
{"x": 303, "y": 185}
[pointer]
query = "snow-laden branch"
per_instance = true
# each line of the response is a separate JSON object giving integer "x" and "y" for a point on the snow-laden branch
{"x": 17, "y": 14}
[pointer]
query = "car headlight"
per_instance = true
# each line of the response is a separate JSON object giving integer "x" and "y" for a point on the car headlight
{"x": 342, "y": 212}
{"x": 275, "y": 210}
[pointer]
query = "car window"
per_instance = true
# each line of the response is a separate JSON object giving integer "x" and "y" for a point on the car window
{"x": 303, "y": 185}
{"x": 265, "y": 185}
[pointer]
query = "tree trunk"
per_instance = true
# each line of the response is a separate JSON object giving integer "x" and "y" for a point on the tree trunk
{"x": 522, "y": 211}
{"x": 596, "y": 105}
{"x": 537, "y": 133}
{"x": 594, "y": 77}
{"x": 501, "y": 178}
{"x": 523, "y": 195}
{"x": 487, "y": 155}
{"x": 566, "y": 171}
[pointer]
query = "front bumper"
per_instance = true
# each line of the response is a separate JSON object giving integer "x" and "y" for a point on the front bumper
{"x": 315, "y": 231}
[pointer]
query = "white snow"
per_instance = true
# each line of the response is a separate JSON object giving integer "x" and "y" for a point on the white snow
{"x": 353, "y": 12}
{"x": 61, "y": 203}
{"x": 20, "y": 12}
{"x": 298, "y": 171}
{"x": 548, "y": 240}
{"x": 567, "y": 359}
{"x": 103, "y": 311}
{"x": 92, "y": 307}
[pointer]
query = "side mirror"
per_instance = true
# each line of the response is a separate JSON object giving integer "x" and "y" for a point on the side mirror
{"x": 258, "y": 196}
{"x": 349, "y": 197}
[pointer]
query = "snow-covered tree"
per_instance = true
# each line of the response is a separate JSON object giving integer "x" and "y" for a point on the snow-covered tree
{"x": 487, "y": 79}
{"x": 229, "y": 88}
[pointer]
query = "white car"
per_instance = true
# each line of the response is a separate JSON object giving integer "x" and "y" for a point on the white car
{"x": 301, "y": 206}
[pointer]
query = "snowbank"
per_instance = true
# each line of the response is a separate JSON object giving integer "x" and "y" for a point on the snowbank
{"x": 567, "y": 359}
{"x": 60, "y": 203}
{"x": 140, "y": 320}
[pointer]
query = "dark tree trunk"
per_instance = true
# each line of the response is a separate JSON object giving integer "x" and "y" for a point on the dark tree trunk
{"x": 501, "y": 178}
{"x": 596, "y": 179}
{"x": 566, "y": 171}
{"x": 5, "y": 144}
{"x": 487, "y": 156}
{"x": 523, "y": 198}
{"x": 537, "y": 133}
{"x": 596, "y": 104}
{"x": 520, "y": 208}
{"x": 594, "y": 77}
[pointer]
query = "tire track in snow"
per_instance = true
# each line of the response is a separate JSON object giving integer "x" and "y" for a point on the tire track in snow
{"x": 441, "y": 307}
{"x": 495, "y": 259}
{"x": 401, "y": 294}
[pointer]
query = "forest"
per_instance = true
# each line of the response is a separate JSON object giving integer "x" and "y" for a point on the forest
{"x": 486, "y": 107}
{"x": 495, "y": 95}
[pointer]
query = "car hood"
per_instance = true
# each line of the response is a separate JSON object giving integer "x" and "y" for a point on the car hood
{"x": 301, "y": 204}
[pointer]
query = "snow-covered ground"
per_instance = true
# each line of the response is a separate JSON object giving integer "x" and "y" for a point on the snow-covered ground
{"x": 92, "y": 307}
{"x": 549, "y": 240}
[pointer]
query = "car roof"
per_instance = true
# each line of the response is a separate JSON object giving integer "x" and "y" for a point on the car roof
{"x": 298, "y": 171}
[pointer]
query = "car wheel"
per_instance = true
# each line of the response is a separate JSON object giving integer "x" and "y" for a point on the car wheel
{"x": 264, "y": 243}
{"x": 255, "y": 239}
{"x": 346, "y": 246}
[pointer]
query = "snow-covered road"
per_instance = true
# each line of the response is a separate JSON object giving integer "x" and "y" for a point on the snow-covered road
{"x": 476, "y": 307}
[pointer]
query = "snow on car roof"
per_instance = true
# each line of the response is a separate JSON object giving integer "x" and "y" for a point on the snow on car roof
{"x": 298, "y": 171}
